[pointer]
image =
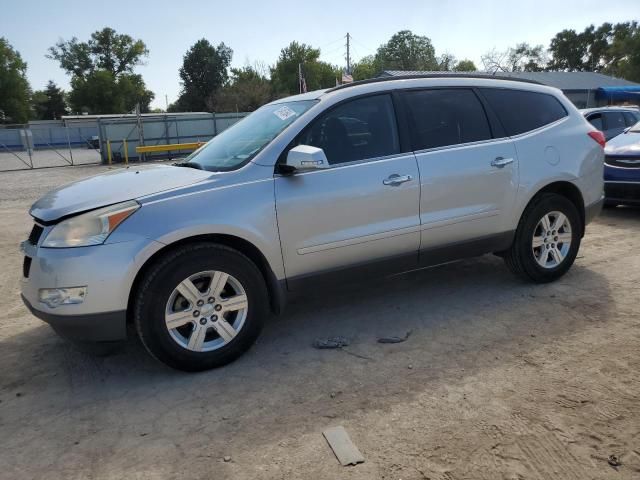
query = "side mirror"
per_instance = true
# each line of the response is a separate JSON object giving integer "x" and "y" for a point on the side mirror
{"x": 305, "y": 158}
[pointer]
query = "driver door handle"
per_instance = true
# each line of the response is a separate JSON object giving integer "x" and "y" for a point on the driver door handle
{"x": 501, "y": 162}
{"x": 395, "y": 180}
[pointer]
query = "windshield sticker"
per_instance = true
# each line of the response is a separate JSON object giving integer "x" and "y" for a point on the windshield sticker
{"x": 284, "y": 112}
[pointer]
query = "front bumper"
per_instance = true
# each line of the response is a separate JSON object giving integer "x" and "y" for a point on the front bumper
{"x": 96, "y": 327}
{"x": 622, "y": 192}
{"x": 107, "y": 271}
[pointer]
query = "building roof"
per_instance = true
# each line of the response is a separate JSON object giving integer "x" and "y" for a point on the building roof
{"x": 562, "y": 80}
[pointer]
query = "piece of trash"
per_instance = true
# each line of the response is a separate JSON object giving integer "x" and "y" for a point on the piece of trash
{"x": 614, "y": 461}
{"x": 410, "y": 367}
{"x": 394, "y": 339}
{"x": 344, "y": 449}
{"x": 333, "y": 342}
{"x": 227, "y": 458}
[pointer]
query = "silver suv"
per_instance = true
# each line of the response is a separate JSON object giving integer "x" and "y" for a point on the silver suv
{"x": 383, "y": 176}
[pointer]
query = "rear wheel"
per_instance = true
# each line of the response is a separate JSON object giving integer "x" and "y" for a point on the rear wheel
{"x": 547, "y": 239}
{"x": 200, "y": 307}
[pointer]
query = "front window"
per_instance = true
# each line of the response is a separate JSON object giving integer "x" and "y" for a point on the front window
{"x": 241, "y": 142}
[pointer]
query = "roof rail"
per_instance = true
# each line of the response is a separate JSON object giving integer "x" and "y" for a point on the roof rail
{"x": 432, "y": 75}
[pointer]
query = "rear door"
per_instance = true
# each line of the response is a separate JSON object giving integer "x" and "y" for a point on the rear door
{"x": 468, "y": 177}
{"x": 364, "y": 209}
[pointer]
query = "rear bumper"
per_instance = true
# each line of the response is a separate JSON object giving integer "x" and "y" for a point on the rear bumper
{"x": 592, "y": 211}
{"x": 96, "y": 327}
{"x": 622, "y": 192}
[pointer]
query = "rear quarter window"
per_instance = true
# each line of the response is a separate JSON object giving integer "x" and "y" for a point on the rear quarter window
{"x": 521, "y": 111}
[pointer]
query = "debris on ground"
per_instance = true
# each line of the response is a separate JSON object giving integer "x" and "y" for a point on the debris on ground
{"x": 614, "y": 461}
{"x": 394, "y": 339}
{"x": 344, "y": 449}
{"x": 227, "y": 458}
{"x": 332, "y": 342}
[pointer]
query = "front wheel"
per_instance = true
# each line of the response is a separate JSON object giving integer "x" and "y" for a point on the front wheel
{"x": 200, "y": 307}
{"x": 547, "y": 239}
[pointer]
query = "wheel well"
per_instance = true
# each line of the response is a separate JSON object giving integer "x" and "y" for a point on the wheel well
{"x": 276, "y": 292}
{"x": 571, "y": 192}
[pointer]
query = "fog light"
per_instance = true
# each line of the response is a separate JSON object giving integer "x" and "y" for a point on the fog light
{"x": 53, "y": 297}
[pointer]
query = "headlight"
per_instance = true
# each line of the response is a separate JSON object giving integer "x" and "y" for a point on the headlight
{"x": 91, "y": 228}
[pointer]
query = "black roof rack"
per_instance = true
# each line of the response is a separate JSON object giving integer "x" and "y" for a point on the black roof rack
{"x": 432, "y": 75}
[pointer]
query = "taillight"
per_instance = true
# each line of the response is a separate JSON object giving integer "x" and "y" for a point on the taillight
{"x": 598, "y": 136}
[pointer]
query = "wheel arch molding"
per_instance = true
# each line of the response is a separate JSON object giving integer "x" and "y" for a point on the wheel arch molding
{"x": 275, "y": 287}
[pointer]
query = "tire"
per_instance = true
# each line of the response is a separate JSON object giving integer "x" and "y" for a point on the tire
{"x": 222, "y": 335}
{"x": 524, "y": 259}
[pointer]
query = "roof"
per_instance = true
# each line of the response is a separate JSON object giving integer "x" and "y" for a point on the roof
{"x": 561, "y": 80}
{"x": 431, "y": 75}
{"x": 312, "y": 95}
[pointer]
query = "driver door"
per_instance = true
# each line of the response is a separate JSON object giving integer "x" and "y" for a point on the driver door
{"x": 362, "y": 211}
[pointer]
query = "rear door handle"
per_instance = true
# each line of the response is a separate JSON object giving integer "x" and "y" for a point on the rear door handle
{"x": 395, "y": 180}
{"x": 501, "y": 162}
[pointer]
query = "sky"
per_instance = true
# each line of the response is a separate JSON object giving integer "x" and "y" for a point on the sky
{"x": 258, "y": 30}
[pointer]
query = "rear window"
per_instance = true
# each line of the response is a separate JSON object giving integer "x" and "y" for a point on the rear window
{"x": 521, "y": 111}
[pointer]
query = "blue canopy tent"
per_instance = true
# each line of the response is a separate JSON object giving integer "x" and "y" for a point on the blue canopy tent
{"x": 629, "y": 93}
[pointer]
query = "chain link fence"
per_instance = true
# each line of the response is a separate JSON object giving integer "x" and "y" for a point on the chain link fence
{"x": 86, "y": 140}
{"x": 47, "y": 144}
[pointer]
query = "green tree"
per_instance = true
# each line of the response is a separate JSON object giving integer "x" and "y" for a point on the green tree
{"x": 624, "y": 51}
{"x": 317, "y": 74}
{"x": 447, "y": 62}
{"x": 365, "y": 68}
{"x": 612, "y": 49}
{"x": 407, "y": 51}
{"x": 101, "y": 69}
{"x": 14, "y": 87}
{"x": 521, "y": 58}
{"x": 105, "y": 50}
{"x": 204, "y": 70}
{"x": 465, "y": 66}
{"x": 248, "y": 90}
{"x": 100, "y": 92}
{"x": 50, "y": 103}
{"x": 568, "y": 51}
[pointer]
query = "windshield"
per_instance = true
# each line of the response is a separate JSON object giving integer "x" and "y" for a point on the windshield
{"x": 241, "y": 142}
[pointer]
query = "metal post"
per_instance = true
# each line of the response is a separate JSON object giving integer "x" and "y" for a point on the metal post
{"x": 126, "y": 151}
{"x": 66, "y": 129}
{"x": 142, "y": 156}
{"x": 109, "y": 151}
{"x": 348, "y": 54}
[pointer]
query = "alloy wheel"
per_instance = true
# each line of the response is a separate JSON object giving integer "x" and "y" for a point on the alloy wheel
{"x": 206, "y": 311}
{"x": 551, "y": 240}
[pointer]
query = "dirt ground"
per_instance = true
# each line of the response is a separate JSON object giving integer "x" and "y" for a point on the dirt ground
{"x": 499, "y": 379}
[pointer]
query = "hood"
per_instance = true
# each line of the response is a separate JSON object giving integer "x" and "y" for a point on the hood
{"x": 113, "y": 187}
{"x": 624, "y": 144}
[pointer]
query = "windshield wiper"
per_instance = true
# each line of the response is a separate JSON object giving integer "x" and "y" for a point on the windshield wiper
{"x": 195, "y": 165}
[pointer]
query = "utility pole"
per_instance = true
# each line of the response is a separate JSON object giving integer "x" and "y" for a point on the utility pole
{"x": 348, "y": 54}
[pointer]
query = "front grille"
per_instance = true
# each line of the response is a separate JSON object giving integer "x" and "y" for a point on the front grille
{"x": 35, "y": 234}
{"x": 26, "y": 267}
{"x": 622, "y": 161}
